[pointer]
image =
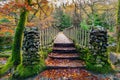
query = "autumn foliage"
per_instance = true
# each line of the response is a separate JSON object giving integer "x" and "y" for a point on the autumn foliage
{"x": 13, "y": 6}
{"x": 16, "y": 6}
{"x": 4, "y": 29}
{"x": 37, "y": 8}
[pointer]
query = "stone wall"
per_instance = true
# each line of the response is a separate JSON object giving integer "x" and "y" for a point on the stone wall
{"x": 31, "y": 44}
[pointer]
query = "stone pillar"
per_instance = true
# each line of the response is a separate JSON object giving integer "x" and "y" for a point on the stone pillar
{"x": 31, "y": 45}
{"x": 98, "y": 42}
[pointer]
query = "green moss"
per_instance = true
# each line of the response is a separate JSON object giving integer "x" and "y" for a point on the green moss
{"x": 118, "y": 47}
{"x": 112, "y": 49}
{"x": 44, "y": 53}
{"x": 28, "y": 71}
{"x": 118, "y": 13}
{"x": 91, "y": 63}
{"x": 102, "y": 66}
{"x": 23, "y": 72}
{"x": 6, "y": 67}
{"x": 17, "y": 44}
{"x": 99, "y": 69}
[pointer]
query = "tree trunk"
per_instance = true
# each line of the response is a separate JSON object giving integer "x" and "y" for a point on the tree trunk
{"x": 17, "y": 44}
{"x": 118, "y": 28}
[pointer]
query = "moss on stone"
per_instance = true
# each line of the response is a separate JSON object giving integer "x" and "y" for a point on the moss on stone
{"x": 23, "y": 72}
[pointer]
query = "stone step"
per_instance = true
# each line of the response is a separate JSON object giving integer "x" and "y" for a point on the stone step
{"x": 64, "y": 63}
{"x": 64, "y": 45}
{"x": 68, "y": 48}
{"x": 64, "y": 55}
{"x": 64, "y": 50}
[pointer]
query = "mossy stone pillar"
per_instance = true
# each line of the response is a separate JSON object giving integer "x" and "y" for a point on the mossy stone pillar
{"x": 31, "y": 45}
{"x": 98, "y": 42}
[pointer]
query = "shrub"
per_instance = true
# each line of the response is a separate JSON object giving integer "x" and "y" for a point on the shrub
{"x": 92, "y": 62}
{"x": 99, "y": 68}
{"x": 84, "y": 52}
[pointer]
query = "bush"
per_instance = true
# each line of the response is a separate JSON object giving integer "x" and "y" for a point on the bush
{"x": 84, "y": 52}
{"x": 44, "y": 53}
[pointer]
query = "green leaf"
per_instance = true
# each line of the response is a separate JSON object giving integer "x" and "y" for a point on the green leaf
{"x": 84, "y": 25}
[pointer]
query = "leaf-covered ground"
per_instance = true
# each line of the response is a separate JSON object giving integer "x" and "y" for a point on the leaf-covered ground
{"x": 69, "y": 74}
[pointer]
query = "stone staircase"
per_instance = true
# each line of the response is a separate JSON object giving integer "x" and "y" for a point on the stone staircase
{"x": 64, "y": 64}
{"x": 64, "y": 55}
